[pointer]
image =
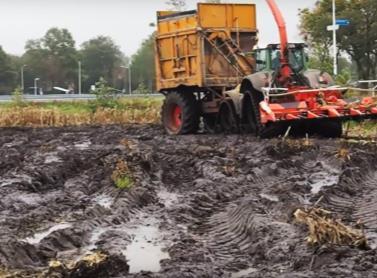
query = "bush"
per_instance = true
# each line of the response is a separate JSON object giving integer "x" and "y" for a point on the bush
{"x": 18, "y": 99}
{"x": 142, "y": 89}
{"x": 344, "y": 77}
{"x": 105, "y": 96}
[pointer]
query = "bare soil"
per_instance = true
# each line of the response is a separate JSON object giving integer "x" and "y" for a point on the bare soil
{"x": 200, "y": 206}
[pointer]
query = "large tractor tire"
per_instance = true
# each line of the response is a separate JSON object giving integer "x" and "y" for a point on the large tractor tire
{"x": 227, "y": 118}
{"x": 180, "y": 113}
{"x": 252, "y": 114}
{"x": 210, "y": 123}
{"x": 253, "y": 118}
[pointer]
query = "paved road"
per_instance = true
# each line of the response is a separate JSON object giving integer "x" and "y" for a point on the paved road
{"x": 60, "y": 97}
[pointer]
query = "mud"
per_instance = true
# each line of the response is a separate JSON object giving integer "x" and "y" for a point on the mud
{"x": 200, "y": 206}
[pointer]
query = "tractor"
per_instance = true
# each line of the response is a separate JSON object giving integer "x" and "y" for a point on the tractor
{"x": 210, "y": 72}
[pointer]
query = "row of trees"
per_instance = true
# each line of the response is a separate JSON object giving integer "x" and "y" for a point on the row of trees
{"x": 55, "y": 59}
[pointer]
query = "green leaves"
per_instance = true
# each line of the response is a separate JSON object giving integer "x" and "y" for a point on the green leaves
{"x": 101, "y": 57}
{"x": 52, "y": 58}
{"x": 105, "y": 97}
{"x": 358, "y": 40}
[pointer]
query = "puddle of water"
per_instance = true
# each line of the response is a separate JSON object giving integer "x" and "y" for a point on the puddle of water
{"x": 168, "y": 198}
{"x": 104, "y": 201}
{"x": 83, "y": 145}
{"x": 144, "y": 253}
{"x": 329, "y": 177}
{"x": 244, "y": 273}
{"x": 329, "y": 180}
{"x": 269, "y": 197}
{"x": 41, "y": 235}
{"x": 95, "y": 237}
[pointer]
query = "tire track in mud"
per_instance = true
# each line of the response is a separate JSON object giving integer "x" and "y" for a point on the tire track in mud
{"x": 355, "y": 196}
{"x": 202, "y": 206}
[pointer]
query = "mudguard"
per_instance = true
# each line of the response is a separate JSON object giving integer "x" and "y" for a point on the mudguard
{"x": 236, "y": 98}
{"x": 257, "y": 81}
{"x": 318, "y": 79}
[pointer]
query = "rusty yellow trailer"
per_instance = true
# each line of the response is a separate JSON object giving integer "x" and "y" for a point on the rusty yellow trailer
{"x": 200, "y": 55}
{"x": 206, "y": 48}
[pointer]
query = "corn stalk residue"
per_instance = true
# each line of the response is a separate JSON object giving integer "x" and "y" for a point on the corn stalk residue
{"x": 325, "y": 229}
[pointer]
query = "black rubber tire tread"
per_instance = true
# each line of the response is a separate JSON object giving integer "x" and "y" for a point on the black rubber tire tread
{"x": 253, "y": 114}
{"x": 190, "y": 112}
{"x": 228, "y": 118}
{"x": 263, "y": 131}
{"x": 210, "y": 123}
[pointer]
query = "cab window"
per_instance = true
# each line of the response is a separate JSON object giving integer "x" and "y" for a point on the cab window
{"x": 261, "y": 59}
{"x": 275, "y": 59}
{"x": 296, "y": 59}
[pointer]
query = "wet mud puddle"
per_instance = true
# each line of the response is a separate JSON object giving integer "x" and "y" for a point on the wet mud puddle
{"x": 146, "y": 249}
{"x": 104, "y": 201}
{"x": 326, "y": 178}
{"x": 38, "y": 237}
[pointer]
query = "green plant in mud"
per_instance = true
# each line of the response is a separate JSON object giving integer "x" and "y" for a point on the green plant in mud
{"x": 105, "y": 96}
{"x": 18, "y": 99}
{"x": 122, "y": 176}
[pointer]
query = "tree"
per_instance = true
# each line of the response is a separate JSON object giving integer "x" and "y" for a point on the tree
{"x": 359, "y": 40}
{"x": 143, "y": 69}
{"x": 101, "y": 57}
{"x": 53, "y": 58}
{"x": 8, "y": 75}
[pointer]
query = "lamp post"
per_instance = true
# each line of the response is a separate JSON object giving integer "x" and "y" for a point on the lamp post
{"x": 79, "y": 78}
{"x": 129, "y": 78}
{"x": 22, "y": 78}
{"x": 35, "y": 85}
{"x": 334, "y": 38}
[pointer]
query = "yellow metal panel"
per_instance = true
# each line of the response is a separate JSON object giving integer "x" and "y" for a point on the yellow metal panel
{"x": 165, "y": 13}
{"x": 241, "y": 16}
{"x": 177, "y": 24}
{"x": 184, "y": 57}
{"x": 213, "y": 16}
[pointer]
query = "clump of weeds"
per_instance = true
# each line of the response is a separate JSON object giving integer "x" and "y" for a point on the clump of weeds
{"x": 122, "y": 176}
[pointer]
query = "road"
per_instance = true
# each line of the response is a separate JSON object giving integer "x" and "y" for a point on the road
{"x": 61, "y": 97}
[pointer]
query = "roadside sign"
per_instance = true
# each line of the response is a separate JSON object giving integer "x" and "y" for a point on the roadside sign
{"x": 343, "y": 22}
{"x": 332, "y": 27}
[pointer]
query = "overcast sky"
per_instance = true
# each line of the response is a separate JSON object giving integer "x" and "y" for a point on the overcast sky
{"x": 126, "y": 21}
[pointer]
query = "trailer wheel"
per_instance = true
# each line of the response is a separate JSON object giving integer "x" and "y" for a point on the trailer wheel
{"x": 180, "y": 113}
{"x": 252, "y": 114}
{"x": 227, "y": 118}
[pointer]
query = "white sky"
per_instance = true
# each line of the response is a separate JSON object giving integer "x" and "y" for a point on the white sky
{"x": 126, "y": 21}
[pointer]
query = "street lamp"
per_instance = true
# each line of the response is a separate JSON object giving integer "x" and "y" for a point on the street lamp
{"x": 129, "y": 78}
{"x": 35, "y": 85}
{"x": 334, "y": 38}
{"x": 22, "y": 78}
{"x": 333, "y": 28}
{"x": 79, "y": 78}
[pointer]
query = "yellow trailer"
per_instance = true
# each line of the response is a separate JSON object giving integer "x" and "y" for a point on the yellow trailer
{"x": 206, "y": 47}
{"x": 201, "y": 54}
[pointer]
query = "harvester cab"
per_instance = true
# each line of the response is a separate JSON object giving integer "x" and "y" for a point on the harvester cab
{"x": 269, "y": 58}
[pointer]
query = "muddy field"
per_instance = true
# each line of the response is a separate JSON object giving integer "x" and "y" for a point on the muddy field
{"x": 199, "y": 206}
